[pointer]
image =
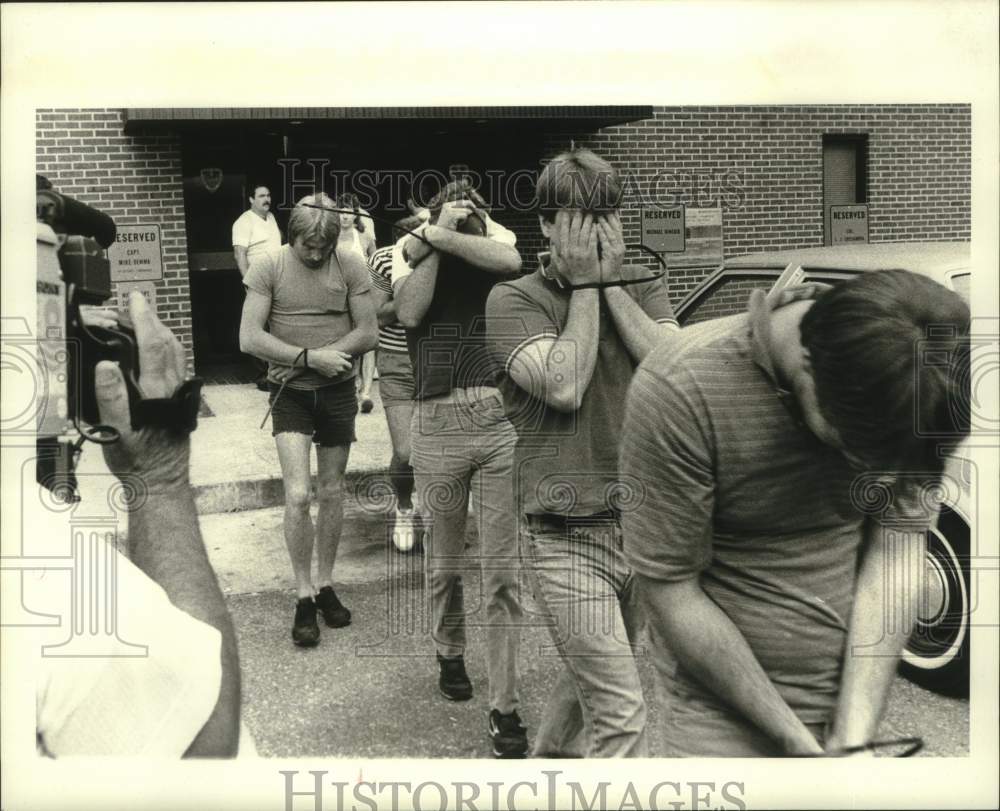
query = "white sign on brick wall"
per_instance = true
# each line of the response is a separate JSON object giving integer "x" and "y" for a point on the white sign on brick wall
{"x": 663, "y": 229}
{"x": 702, "y": 239}
{"x": 848, "y": 224}
{"x": 135, "y": 255}
{"x": 148, "y": 289}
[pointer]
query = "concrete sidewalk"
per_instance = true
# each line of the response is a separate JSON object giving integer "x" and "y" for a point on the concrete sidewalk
{"x": 234, "y": 462}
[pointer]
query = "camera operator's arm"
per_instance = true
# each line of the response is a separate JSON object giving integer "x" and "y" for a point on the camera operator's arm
{"x": 889, "y": 585}
{"x": 641, "y": 324}
{"x": 164, "y": 537}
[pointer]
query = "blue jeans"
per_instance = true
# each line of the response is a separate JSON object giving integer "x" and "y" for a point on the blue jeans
{"x": 451, "y": 441}
{"x": 584, "y": 586}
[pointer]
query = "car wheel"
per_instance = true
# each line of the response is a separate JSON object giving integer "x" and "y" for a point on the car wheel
{"x": 937, "y": 653}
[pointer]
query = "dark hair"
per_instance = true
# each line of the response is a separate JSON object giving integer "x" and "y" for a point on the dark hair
{"x": 889, "y": 353}
{"x": 348, "y": 200}
{"x": 578, "y": 179}
{"x": 255, "y": 186}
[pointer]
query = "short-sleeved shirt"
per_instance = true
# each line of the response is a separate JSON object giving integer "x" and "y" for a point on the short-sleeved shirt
{"x": 566, "y": 463}
{"x": 740, "y": 494}
{"x": 255, "y": 233}
{"x": 150, "y": 700}
{"x": 448, "y": 349}
{"x": 309, "y": 307}
{"x": 391, "y": 337}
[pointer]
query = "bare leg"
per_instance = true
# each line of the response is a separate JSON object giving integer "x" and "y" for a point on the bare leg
{"x": 293, "y": 453}
{"x": 367, "y": 376}
{"x": 329, "y": 491}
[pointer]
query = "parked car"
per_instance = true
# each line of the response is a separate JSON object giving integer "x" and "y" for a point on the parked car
{"x": 937, "y": 654}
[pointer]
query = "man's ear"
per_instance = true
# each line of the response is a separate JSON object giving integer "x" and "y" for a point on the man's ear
{"x": 545, "y": 225}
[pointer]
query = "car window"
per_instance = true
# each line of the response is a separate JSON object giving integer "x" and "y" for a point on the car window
{"x": 960, "y": 283}
{"x": 728, "y": 295}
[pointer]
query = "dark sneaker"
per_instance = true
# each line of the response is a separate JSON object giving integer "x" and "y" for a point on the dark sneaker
{"x": 508, "y": 735}
{"x": 305, "y": 631}
{"x": 334, "y": 613}
{"x": 454, "y": 681}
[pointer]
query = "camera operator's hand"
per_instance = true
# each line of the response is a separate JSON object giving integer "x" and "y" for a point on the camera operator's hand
{"x": 159, "y": 458}
{"x": 574, "y": 247}
{"x": 98, "y": 316}
{"x": 609, "y": 235}
{"x": 329, "y": 361}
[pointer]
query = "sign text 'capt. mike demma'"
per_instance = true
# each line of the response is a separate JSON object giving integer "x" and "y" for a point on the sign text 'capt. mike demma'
{"x": 135, "y": 255}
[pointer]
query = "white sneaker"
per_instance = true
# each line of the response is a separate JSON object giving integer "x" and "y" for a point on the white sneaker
{"x": 404, "y": 529}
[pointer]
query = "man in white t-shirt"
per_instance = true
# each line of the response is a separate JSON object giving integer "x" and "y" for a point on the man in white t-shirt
{"x": 256, "y": 230}
{"x": 254, "y": 233}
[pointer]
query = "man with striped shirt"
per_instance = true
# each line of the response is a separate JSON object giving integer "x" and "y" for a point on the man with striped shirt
{"x": 762, "y": 563}
{"x": 395, "y": 383}
{"x": 568, "y": 351}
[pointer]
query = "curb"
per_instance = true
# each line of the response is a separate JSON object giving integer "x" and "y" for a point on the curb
{"x": 269, "y": 491}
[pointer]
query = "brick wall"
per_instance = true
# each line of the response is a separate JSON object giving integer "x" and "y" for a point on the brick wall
{"x": 764, "y": 165}
{"x": 134, "y": 179}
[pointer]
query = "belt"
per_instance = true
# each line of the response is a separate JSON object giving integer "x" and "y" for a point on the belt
{"x": 464, "y": 395}
{"x": 560, "y": 521}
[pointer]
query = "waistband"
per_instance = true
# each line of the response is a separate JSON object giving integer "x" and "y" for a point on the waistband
{"x": 471, "y": 394}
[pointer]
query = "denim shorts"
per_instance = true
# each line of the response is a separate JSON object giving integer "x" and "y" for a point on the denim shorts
{"x": 395, "y": 378}
{"x": 327, "y": 414}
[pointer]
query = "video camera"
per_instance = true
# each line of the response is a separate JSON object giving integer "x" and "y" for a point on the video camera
{"x": 73, "y": 272}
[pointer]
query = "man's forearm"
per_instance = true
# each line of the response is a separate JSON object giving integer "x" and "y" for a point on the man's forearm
{"x": 165, "y": 542}
{"x": 240, "y": 254}
{"x": 358, "y": 341}
{"x": 265, "y": 346}
{"x": 638, "y": 331}
{"x": 570, "y": 364}
{"x": 883, "y": 616}
{"x": 711, "y": 648}
{"x": 416, "y": 291}
{"x": 482, "y": 252}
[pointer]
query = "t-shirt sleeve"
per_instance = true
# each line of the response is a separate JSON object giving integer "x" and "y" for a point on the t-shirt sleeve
{"x": 241, "y": 232}
{"x": 666, "y": 453}
{"x": 355, "y": 273}
{"x": 400, "y": 267}
{"x": 655, "y": 301}
{"x": 498, "y": 233}
{"x": 260, "y": 275}
{"x": 514, "y": 320}
{"x": 149, "y": 694}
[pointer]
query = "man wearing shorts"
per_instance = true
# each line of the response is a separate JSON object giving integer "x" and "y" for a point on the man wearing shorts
{"x": 321, "y": 317}
{"x": 395, "y": 385}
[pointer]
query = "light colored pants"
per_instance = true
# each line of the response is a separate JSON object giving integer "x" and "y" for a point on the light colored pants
{"x": 460, "y": 448}
{"x": 584, "y": 585}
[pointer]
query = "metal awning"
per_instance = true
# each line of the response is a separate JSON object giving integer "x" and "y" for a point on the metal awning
{"x": 138, "y": 119}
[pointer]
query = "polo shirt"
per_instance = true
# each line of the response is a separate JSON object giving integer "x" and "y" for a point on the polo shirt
{"x": 566, "y": 463}
{"x": 741, "y": 495}
{"x": 255, "y": 233}
{"x": 310, "y": 308}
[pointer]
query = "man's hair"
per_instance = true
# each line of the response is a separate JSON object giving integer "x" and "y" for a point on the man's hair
{"x": 308, "y": 222}
{"x": 889, "y": 353}
{"x": 255, "y": 186}
{"x": 577, "y": 180}
{"x": 401, "y": 227}
{"x": 350, "y": 201}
